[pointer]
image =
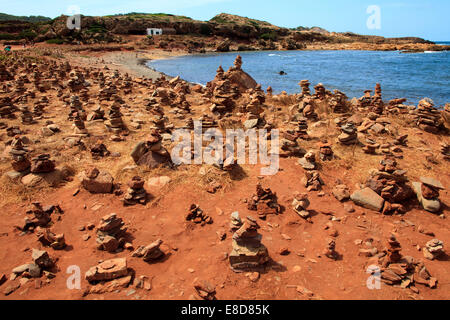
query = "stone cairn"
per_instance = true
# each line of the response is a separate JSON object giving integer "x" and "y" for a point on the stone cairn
{"x": 312, "y": 181}
{"x": 264, "y": 202}
{"x": 197, "y": 216}
{"x": 433, "y": 249}
{"x": 300, "y": 205}
{"x": 377, "y": 105}
{"x": 18, "y": 152}
{"x": 426, "y": 117}
{"x": 349, "y": 135}
{"x": 150, "y": 253}
{"x": 445, "y": 151}
{"x": 338, "y": 102}
{"x": 370, "y": 146}
{"x": 76, "y": 109}
{"x": 390, "y": 183}
{"x": 427, "y": 191}
{"x": 248, "y": 253}
{"x": 403, "y": 271}
{"x": 115, "y": 122}
{"x": 330, "y": 249}
{"x": 42, "y": 164}
{"x": 111, "y": 233}
{"x": 325, "y": 151}
{"x": 6, "y": 108}
{"x": 99, "y": 150}
{"x": 304, "y": 85}
{"x": 308, "y": 162}
{"x": 26, "y": 115}
{"x": 135, "y": 193}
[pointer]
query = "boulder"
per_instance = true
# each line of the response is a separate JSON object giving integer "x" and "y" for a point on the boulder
{"x": 108, "y": 270}
{"x": 102, "y": 183}
{"x": 368, "y": 198}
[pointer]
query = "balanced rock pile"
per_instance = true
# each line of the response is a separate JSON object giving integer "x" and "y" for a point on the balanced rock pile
{"x": 264, "y": 202}
{"x": 434, "y": 249}
{"x": 248, "y": 252}
{"x": 325, "y": 151}
{"x": 427, "y": 117}
{"x": 151, "y": 153}
{"x": 115, "y": 122}
{"x": 445, "y": 151}
{"x": 403, "y": 271}
{"x": 390, "y": 183}
{"x": 300, "y": 205}
{"x": 18, "y": 152}
{"x": 42, "y": 164}
{"x": 111, "y": 233}
{"x": 427, "y": 191}
{"x": 150, "y": 253}
{"x": 136, "y": 192}
{"x": 349, "y": 136}
{"x": 308, "y": 162}
{"x": 197, "y": 216}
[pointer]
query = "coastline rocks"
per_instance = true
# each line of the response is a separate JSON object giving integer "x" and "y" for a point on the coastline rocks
{"x": 368, "y": 199}
{"x": 248, "y": 253}
{"x": 97, "y": 181}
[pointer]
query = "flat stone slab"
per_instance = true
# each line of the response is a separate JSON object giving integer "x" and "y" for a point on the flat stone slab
{"x": 432, "y": 182}
{"x": 367, "y": 198}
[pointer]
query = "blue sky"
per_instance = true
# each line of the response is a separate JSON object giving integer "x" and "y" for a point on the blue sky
{"x": 428, "y": 19}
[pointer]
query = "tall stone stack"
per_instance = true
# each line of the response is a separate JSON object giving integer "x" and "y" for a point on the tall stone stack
{"x": 6, "y": 108}
{"x": 306, "y": 107}
{"x": 111, "y": 233}
{"x": 304, "y": 85}
{"x": 349, "y": 136}
{"x": 302, "y": 128}
{"x": 26, "y": 115}
{"x": 135, "y": 193}
{"x": 42, "y": 164}
{"x": 320, "y": 92}
{"x": 426, "y": 117}
{"x": 248, "y": 253}
{"x": 79, "y": 127}
{"x": 115, "y": 122}
{"x": 18, "y": 153}
{"x": 377, "y": 101}
{"x": 338, "y": 102}
{"x": 222, "y": 97}
{"x": 76, "y": 108}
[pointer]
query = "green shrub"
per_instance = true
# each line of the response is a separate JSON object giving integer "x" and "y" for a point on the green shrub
{"x": 55, "y": 41}
{"x": 9, "y": 36}
{"x": 205, "y": 30}
{"x": 269, "y": 36}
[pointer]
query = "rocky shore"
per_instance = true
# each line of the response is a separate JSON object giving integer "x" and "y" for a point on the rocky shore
{"x": 88, "y": 180}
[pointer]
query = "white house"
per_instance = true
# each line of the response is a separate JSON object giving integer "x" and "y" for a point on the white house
{"x": 154, "y": 31}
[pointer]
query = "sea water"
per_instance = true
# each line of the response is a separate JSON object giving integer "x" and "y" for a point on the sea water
{"x": 402, "y": 75}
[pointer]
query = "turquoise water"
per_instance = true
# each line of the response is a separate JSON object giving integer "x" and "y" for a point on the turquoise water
{"x": 412, "y": 76}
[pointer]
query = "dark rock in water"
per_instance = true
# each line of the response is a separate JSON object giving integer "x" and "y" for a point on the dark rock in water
{"x": 282, "y": 73}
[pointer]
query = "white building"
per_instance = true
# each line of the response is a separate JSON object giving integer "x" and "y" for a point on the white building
{"x": 154, "y": 31}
